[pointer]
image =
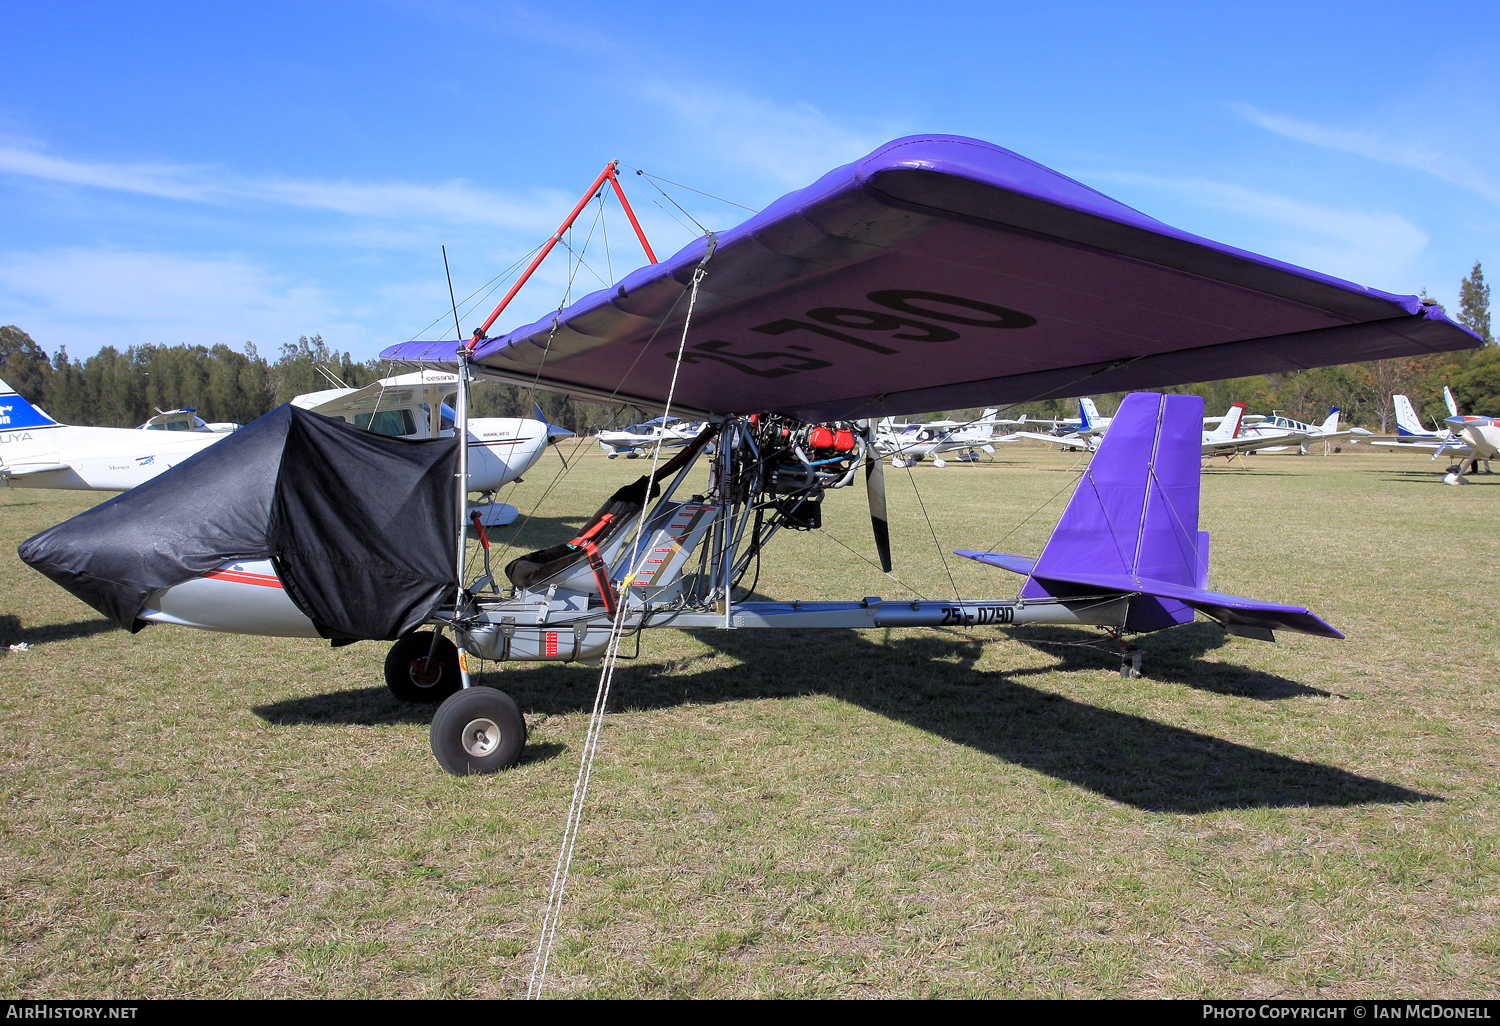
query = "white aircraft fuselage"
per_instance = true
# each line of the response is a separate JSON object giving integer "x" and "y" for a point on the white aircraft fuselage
{"x": 38, "y": 452}
{"x": 92, "y": 458}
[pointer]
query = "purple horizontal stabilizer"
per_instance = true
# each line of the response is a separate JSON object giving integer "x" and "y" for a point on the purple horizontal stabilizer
{"x": 941, "y": 272}
{"x": 1004, "y": 560}
{"x": 1231, "y": 609}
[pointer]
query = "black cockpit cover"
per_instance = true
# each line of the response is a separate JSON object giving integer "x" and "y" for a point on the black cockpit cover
{"x": 361, "y": 526}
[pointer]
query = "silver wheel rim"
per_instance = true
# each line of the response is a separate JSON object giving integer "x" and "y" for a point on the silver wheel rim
{"x": 414, "y": 674}
{"x": 481, "y": 737}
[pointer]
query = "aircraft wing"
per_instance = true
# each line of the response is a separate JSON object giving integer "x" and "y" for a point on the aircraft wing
{"x": 941, "y": 272}
{"x": 1069, "y": 441}
{"x": 1456, "y": 448}
{"x": 28, "y": 469}
{"x": 1227, "y": 446}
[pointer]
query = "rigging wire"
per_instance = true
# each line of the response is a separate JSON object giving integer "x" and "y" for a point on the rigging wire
{"x": 623, "y": 378}
{"x": 835, "y": 539}
{"x": 1050, "y": 499}
{"x": 657, "y": 178}
{"x": 674, "y": 203}
{"x": 601, "y": 697}
{"x": 609, "y": 265}
{"x": 933, "y": 531}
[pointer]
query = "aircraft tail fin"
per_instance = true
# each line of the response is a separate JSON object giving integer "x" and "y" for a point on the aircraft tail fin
{"x": 1332, "y": 422}
{"x": 1448, "y": 398}
{"x": 1229, "y": 427}
{"x": 1132, "y": 527}
{"x": 1407, "y": 421}
{"x": 1088, "y": 414}
{"x": 16, "y": 412}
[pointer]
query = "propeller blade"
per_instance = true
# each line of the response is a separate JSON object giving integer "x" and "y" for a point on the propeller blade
{"x": 875, "y": 493}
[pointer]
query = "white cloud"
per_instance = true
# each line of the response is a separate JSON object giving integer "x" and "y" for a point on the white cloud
{"x": 453, "y": 202}
{"x": 1419, "y": 156}
{"x": 86, "y": 299}
{"x": 1362, "y": 246}
{"x": 792, "y": 144}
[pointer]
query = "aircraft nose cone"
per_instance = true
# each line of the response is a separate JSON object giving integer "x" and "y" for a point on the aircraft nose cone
{"x": 1457, "y": 422}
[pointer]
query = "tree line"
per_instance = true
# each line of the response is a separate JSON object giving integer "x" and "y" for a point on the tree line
{"x": 115, "y": 388}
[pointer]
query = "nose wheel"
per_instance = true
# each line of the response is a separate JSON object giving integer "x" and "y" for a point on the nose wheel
{"x": 418, "y": 671}
{"x": 478, "y": 730}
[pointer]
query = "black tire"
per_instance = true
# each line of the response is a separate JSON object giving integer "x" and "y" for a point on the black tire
{"x": 478, "y": 730}
{"x": 411, "y": 680}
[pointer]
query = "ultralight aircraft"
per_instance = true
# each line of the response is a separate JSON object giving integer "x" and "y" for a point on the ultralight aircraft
{"x": 938, "y": 272}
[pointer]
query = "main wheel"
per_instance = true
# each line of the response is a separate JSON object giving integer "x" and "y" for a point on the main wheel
{"x": 413, "y": 678}
{"x": 478, "y": 730}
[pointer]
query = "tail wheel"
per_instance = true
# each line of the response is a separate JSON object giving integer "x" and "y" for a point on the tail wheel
{"x": 415, "y": 671}
{"x": 478, "y": 730}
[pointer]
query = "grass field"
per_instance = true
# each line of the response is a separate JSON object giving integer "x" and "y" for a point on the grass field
{"x": 840, "y": 813}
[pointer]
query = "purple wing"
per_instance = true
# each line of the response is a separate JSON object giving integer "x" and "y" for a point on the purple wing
{"x": 941, "y": 272}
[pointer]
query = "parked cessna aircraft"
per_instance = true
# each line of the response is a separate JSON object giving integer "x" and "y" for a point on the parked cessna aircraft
{"x": 501, "y": 449}
{"x": 640, "y": 439}
{"x": 38, "y": 452}
{"x": 915, "y": 442}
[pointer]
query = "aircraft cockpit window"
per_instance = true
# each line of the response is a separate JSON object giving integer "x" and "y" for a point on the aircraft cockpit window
{"x": 387, "y": 422}
{"x": 447, "y": 416}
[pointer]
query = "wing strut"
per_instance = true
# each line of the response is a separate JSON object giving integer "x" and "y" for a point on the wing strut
{"x": 609, "y": 174}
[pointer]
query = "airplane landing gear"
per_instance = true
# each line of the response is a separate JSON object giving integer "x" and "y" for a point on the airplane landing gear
{"x": 418, "y": 671}
{"x": 478, "y": 730}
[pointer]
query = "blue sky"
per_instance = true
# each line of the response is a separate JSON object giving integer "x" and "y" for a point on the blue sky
{"x": 202, "y": 173}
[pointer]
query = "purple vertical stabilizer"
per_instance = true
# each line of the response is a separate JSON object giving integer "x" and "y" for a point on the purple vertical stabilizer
{"x": 1132, "y": 526}
{"x": 1135, "y": 511}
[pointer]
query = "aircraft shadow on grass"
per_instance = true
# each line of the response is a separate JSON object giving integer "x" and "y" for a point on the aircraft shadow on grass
{"x": 11, "y": 631}
{"x": 931, "y": 683}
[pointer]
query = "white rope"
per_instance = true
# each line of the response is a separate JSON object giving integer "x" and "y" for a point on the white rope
{"x": 574, "y": 821}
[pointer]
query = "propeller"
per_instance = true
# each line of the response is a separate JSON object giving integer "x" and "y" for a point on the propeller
{"x": 554, "y": 432}
{"x": 875, "y": 493}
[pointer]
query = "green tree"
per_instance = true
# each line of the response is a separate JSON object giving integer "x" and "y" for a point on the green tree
{"x": 24, "y": 365}
{"x": 1477, "y": 387}
{"x": 1474, "y": 304}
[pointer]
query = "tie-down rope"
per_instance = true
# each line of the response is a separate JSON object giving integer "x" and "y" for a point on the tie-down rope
{"x": 574, "y": 821}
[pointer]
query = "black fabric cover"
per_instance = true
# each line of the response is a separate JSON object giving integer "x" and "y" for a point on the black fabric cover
{"x": 362, "y": 526}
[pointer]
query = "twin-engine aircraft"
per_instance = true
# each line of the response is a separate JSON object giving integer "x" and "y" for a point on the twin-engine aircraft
{"x": 936, "y": 273}
{"x": 1278, "y": 433}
